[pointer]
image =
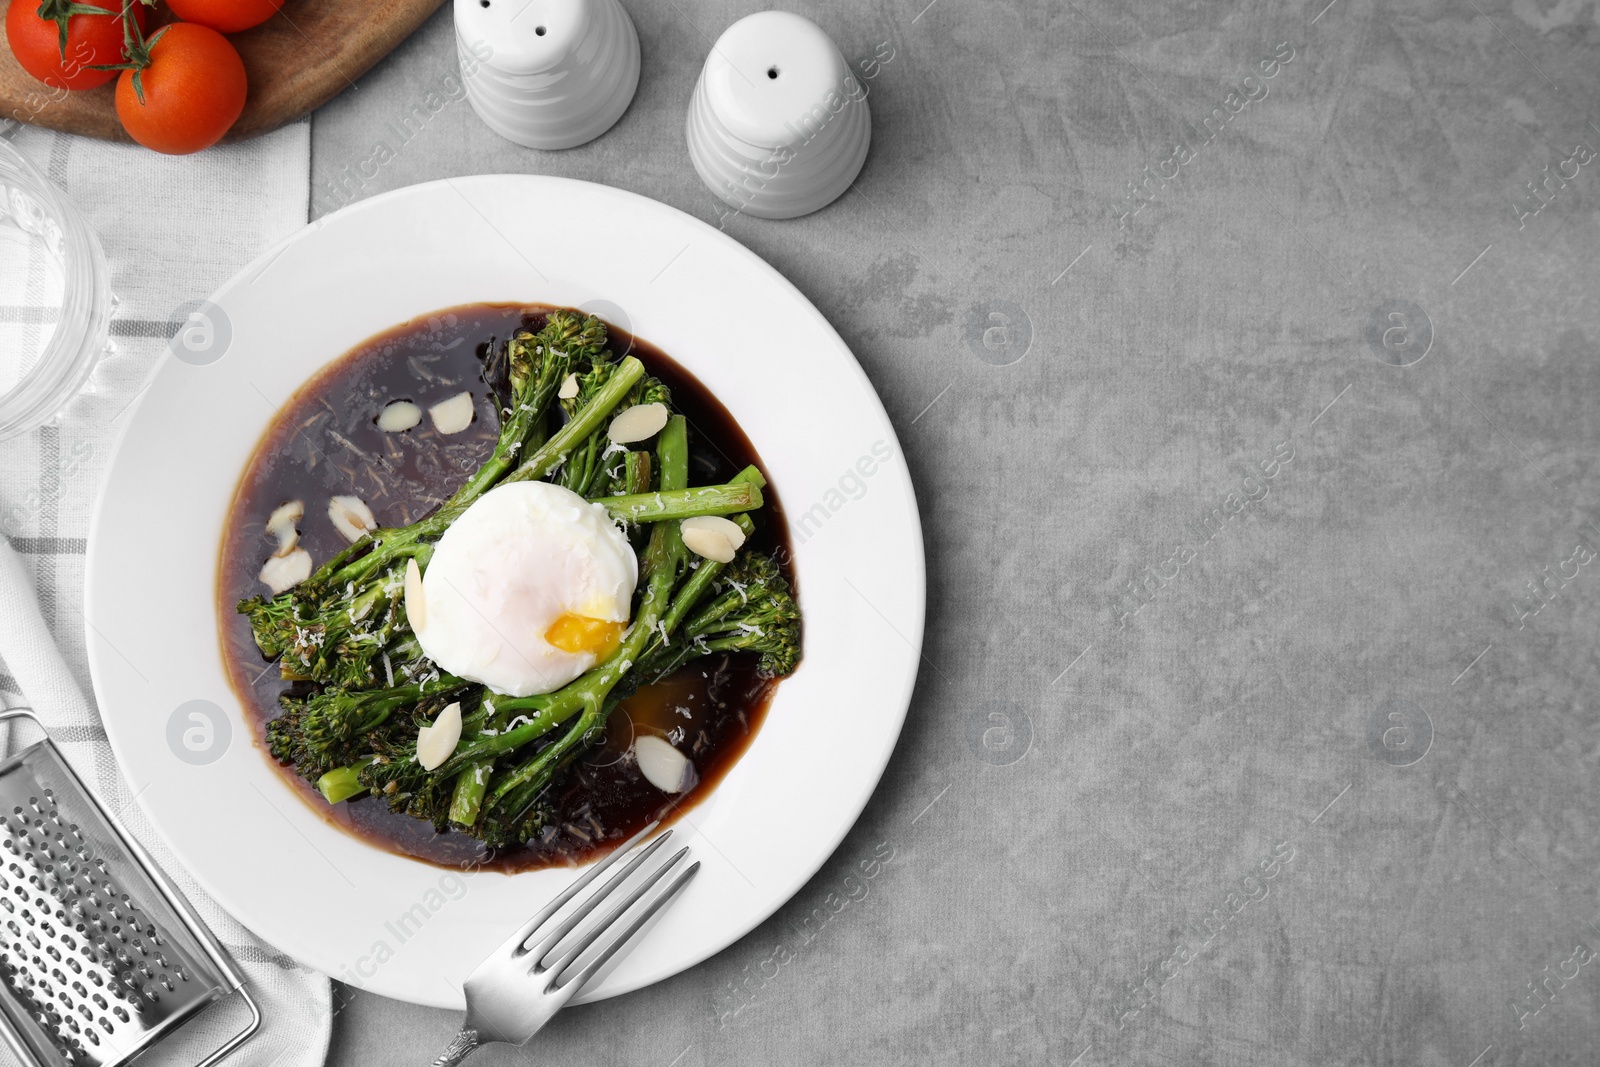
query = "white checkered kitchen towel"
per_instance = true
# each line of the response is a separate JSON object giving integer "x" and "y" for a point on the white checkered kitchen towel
{"x": 174, "y": 229}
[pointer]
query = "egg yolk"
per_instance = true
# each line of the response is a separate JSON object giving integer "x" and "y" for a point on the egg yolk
{"x": 579, "y": 633}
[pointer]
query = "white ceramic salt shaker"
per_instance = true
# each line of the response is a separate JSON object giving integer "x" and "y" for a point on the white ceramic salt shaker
{"x": 547, "y": 73}
{"x": 779, "y": 126}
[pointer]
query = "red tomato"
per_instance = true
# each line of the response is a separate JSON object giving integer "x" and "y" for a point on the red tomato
{"x": 194, "y": 90}
{"x": 91, "y": 40}
{"x": 225, "y": 16}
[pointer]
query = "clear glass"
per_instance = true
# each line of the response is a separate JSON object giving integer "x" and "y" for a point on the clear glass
{"x": 55, "y": 297}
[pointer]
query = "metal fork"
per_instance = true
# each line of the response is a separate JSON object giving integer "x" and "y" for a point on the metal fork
{"x": 537, "y": 971}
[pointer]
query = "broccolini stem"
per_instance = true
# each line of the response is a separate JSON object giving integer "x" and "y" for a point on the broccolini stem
{"x": 670, "y": 504}
{"x": 341, "y": 557}
{"x": 471, "y": 786}
{"x": 581, "y": 425}
{"x": 521, "y": 800}
{"x": 340, "y": 784}
{"x": 636, "y": 473}
{"x": 388, "y": 546}
{"x": 523, "y": 786}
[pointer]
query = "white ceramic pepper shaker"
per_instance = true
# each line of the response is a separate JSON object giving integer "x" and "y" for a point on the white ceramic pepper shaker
{"x": 779, "y": 125}
{"x": 547, "y": 73}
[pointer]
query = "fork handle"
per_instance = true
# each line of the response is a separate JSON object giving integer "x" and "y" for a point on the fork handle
{"x": 462, "y": 1047}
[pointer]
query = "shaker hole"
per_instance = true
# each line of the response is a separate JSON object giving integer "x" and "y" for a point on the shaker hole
{"x": 483, "y": 3}
{"x": 772, "y": 72}
{"x": 539, "y": 31}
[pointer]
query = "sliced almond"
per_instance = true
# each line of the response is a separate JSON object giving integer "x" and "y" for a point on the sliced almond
{"x": 716, "y": 523}
{"x": 710, "y": 543}
{"x": 287, "y": 571}
{"x": 569, "y": 387}
{"x": 435, "y": 743}
{"x": 287, "y": 537}
{"x": 290, "y": 513}
{"x": 637, "y": 423}
{"x": 662, "y": 765}
{"x": 453, "y": 415}
{"x": 281, "y": 525}
{"x": 351, "y": 517}
{"x": 399, "y": 416}
{"x": 416, "y": 603}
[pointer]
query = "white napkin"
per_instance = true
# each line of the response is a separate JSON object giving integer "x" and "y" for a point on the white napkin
{"x": 174, "y": 229}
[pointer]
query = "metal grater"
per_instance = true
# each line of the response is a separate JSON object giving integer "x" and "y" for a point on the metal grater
{"x": 100, "y": 955}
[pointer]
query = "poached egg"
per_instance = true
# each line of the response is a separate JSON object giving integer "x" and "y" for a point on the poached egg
{"x": 529, "y": 588}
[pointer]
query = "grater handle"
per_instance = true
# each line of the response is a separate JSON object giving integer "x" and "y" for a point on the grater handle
{"x": 239, "y": 1038}
{"x": 465, "y": 1043}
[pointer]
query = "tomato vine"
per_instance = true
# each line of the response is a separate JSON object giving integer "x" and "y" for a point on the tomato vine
{"x": 60, "y": 12}
{"x": 135, "y": 46}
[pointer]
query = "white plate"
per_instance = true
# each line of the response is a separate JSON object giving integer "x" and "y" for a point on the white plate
{"x": 400, "y": 927}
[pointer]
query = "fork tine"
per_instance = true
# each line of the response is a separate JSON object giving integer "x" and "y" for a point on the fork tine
{"x": 624, "y": 942}
{"x": 593, "y": 934}
{"x": 546, "y": 943}
{"x": 512, "y": 946}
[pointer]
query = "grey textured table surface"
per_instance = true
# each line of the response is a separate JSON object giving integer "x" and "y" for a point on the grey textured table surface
{"x": 1257, "y": 725}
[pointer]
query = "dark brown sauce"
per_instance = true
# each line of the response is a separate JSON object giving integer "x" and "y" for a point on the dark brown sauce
{"x": 324, "y": 442}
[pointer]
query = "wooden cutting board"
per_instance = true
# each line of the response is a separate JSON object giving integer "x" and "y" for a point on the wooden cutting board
{"x": 296, "y": 61}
